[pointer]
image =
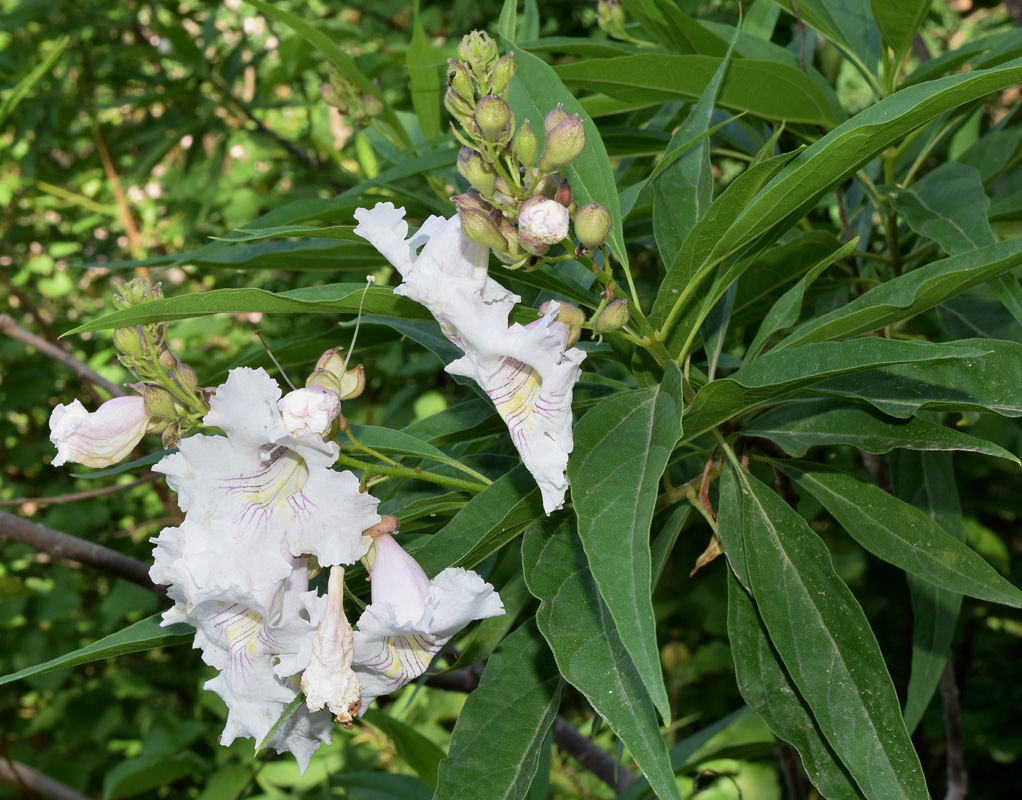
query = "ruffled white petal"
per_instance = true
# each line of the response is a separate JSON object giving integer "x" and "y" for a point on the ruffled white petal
{"x": 527, "y": 371}
{"x": 102, "y": 438}
{"x": 393, "y": 648}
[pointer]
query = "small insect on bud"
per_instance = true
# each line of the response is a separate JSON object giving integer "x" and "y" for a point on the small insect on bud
{"x": 571, "y": 317}
{"x": 493, "y": 116}
{"x": 555, "y": 118}
{"x": 592, "y": 225}
{"x": 458, "y": 78}
{"x": 614, "y": 316}
{"x": 476, "y": 171}
{"x": 130, "y": 341}
{"x": 526, "y": 144}
{"x": 503, "y": 73}
{"x": 564, "y": 143}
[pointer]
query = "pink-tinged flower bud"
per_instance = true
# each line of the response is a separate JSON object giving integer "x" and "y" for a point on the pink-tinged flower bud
{"x": 503, "y": 73}
{"x": 493, "y": 116}
{"x": 530, "y": 244}
{"x": 564, "y": 144}
{"x": 458, "y": 78}
{"x": 398, "y": 580}
{"x": 526, "y": 144}
{"x": 612, "y": 317}
{"x": 592, "y": 225}
{"x": 571, "y": 317}
{"x": 476, "y": 171}
{"x": 309, "y": 412}
{"x": 99, "y": 439}
{"x": 130, "y": 341}
{"x": 544, "y": 220}
{"x": 477, "y": 226}
{"x": 555, "y": 118}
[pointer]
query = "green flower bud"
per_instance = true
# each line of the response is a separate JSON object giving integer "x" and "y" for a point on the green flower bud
{"x": 458, "y": 107}
{"x": 526, "y": 144}
{"x": 503, "y": 72}
{"x": 478, "y": 51}
{"x": 564, "y": 143}
{"x": 611, "y": 17}
{"x": 568, "y": 315}
{"x": 324, "y": 379}
{"x": 332, "y": 97}
{"x": 478, "y": 227}
{"x": 167, "y": 359}
{"x": 372, "y": 105}
{"x": 673, "y": 655}
{"x": 186, "y": 377}
{"x": 612, "y": 317}
{"x": 592, "y": 225}
{"x": 136, "y": 292}
{"x": 493, "y": 116}
{"x": 555, "y": 118}
{"x": 458, "y": 78}
{"x": 476, "y": 171}
{"x": 130, "y": 341}
{"x": 158, "y": 401}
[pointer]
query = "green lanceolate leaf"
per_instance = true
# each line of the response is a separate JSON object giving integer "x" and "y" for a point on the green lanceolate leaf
{"x": 391, "y": 442}
{"x": 24, "y": 86}
{"x": 763, "y": 88}
{"x": 488, "y": 521}
{"x": 798, "y": 426}
{"x": 421, "y": 754}
{"x": 588, "y": 648}
{"x": 778, "y": 374}
{"x": 515, "y": 705}
{"x": 902, "y": 534}
{"x": 535, "y": 92}
{"x": 817, "y": 170}
{"x": 423, "y": 65}
{"x": 144, "y": 635}
{"x": 821, "y": 636}
{"x": 329, "y": 299}
{"x": 910, "y": 294}
{"x": 927, "y": 481}
{"x": 898, "y": 21}
{"x": 949, "y": 205}
{"x": 342, "y": 232}
{"x": 621, "y": 450}
{"x": 992, "y": 382}
{"x": 684, "y": 190}
{"x": 847, "y": 23}
{"x": 767, "y": 688}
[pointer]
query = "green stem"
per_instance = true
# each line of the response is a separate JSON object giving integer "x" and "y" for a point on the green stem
{"x": 366, "y": 449}
{"x": 406, "y": 472}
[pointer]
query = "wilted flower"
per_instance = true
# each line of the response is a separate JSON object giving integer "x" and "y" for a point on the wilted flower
{"x": 411, "y": 618}
{"x": 528, "y": 371}
{"x": 99, "y": 439}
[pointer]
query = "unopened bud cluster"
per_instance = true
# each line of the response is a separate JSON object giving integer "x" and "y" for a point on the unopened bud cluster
{"x": 520, "y": 205}
{"x": 342, "y": 95}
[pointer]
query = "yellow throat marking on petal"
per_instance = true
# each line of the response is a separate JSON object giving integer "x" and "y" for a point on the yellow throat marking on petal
{"x": 284, "y": 476}
{"x": 516, "y": 396}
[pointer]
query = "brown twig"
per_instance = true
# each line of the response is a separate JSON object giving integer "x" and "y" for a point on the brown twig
{"x": 957, "y": 777}
{"x": 89, "y": 554}
{"x": 14, "y": 773}
{"x": 130, "y": 228}
{"x": 11, "y": 328}
{"x": 70, "y": 498}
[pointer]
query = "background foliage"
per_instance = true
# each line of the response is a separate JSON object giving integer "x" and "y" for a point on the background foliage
{"x": 134, "y": 133}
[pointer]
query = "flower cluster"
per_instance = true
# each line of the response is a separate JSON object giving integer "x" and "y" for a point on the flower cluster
{"x": 263, "y": 507}
{"x": 528, "y": 371}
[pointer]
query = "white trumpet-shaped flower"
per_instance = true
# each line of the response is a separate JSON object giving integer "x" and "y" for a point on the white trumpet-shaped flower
{"x": 528, "y": 371}
{"x": 411, "y": 618}
{"x": 261, "y": 485}
{"x": 99, "y": 439}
